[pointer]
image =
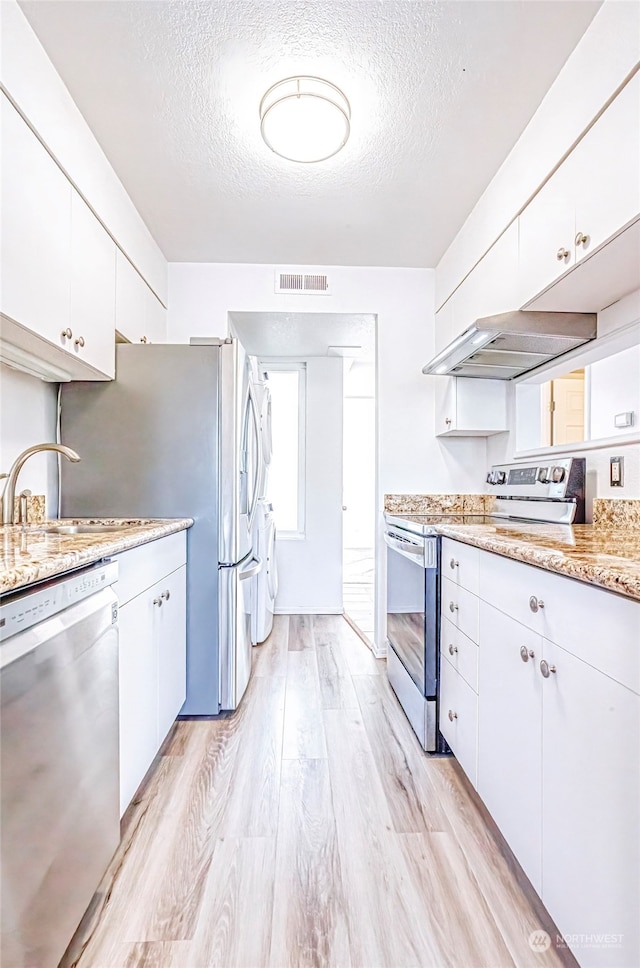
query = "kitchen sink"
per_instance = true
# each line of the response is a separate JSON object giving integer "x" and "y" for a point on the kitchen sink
{"x": 83, "y": 528}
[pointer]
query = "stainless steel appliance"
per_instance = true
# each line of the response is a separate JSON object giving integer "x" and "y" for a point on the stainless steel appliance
{"x": 504, "y": 346}
{"x": 552, "y": 491}
{"x": 176, "y": 434}
{"x": 59, "y": 758}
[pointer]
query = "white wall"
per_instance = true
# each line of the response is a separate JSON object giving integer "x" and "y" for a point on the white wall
{"x": 606, "y": 55}
{"x": 310, "y": 569}
{"x": 27, "y": 417}
{"x": 614, "y": 388}
{"x": 409, "y": 458}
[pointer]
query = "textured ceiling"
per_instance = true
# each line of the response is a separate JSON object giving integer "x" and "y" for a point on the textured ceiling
{"x": 306, "y": 334}
{"x": 440, "y": 91}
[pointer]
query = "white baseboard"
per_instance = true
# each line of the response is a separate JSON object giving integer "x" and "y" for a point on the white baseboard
{"x": 380, "y": 652}
{"x": 308, "y": 610}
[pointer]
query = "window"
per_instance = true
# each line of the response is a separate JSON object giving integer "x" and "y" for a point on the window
{"x": 285, "y": 488}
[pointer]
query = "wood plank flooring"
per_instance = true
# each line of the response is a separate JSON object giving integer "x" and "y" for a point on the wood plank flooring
{"x": 310, "y": 829}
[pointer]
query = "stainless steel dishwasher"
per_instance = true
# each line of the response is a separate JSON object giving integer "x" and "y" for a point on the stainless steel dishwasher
{"x": 59, "y": 759}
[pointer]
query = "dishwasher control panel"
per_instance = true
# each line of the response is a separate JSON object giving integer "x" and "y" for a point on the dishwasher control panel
{"x": 26, "y": 607}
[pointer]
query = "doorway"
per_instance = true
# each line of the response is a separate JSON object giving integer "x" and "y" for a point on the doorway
{"x": 358, "y": 528}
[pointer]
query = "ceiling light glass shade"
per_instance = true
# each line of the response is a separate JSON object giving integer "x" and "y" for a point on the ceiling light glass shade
{"x": 305, "y": 119}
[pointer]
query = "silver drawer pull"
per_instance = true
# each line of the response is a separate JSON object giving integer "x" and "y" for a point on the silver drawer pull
{"x": 526, "y": 654}
{"x": 452, "y": 715}
{"x": 158, "y": 602}
{"x": 166, "y": 595}
{"x": 535, "y": 603}
{"x": 66, "y": 333}
{"x": 452, "y": 650}
{"x": 453, "y": 607}
{"x": 79, "y": 342}
{"x": 453, "y": 563}
{"x": 562, "y": 254}
{"x": 546, "y": 669}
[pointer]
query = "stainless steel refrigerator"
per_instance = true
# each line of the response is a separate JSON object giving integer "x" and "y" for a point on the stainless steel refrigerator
{"x": 176, "y": 434}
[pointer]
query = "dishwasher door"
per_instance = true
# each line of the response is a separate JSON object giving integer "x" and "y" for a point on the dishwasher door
{"x": 59, "y": 775}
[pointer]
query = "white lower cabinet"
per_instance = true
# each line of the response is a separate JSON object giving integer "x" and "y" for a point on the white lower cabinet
{"x": 152, "y": 629}
{"x": 591, "y": 811}
{"x": 510, "y": 734}
{"x": 459, "y": 718}
{"x": 558, "y": 739}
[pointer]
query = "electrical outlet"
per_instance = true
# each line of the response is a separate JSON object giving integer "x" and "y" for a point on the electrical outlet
{"x": 616, "y": 471}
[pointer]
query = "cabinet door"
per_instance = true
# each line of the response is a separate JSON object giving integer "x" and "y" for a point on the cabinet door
{"x": 138, "y": 694}
{"x": 130, "y": 300}
{"x": 93, "y": 289}
{"x": 170, "y": 626}
{"x": 445, "y": 404}
{"x": 459, "y": 718}
{"x": 36, "y": 232}
{"x": 605, "y": 168}
{"x": 547, "y": 229}
{"x": 591, "y": 808}
{"x": 510, "y": 734}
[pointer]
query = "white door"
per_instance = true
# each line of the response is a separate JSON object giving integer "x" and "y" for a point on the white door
{"x": 359, "y": 472}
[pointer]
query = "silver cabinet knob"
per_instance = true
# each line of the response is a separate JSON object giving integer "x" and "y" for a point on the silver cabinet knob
{"x": 452, "y": 715}
{"x": 158, "y": 602}
{"x": 581, "y": 239}
{"x": 79, "y": 341}
{"x": 562, "y": 254}
{"x": 143, "y": 339}
{"x": 546, "y": 669}
{"x": 453, "y": 607}
{"x": 447, "y": 420}
{"x": 526, "y": 654}
{"x": 66, "y": 333}
{"x": 452, "y": 650}
{"x": 535, "y": 603}
{"x": 166, "y": 595}
{"x": 453, "y": 563}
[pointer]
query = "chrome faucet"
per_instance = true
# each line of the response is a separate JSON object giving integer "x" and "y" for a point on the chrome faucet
{"x": 9, "y": 495}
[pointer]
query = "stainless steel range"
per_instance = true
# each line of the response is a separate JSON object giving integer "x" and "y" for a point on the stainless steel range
{"x": 546, "y": 492}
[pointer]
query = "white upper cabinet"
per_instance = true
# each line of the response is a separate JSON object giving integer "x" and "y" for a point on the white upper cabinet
{"x": 57, "y": 265}
{"x": 140, "y": 316}
{"x": 592, "y": 197}
{"x": 36, "y": 232}
{"x": 469, "y": 408}
{"x": 93, "y": 282}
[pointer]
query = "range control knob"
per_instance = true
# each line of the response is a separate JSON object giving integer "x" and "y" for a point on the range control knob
{"x": 501, "y": 477}
{"x": 543, "y": 475}
{"x": 489, "y": 478}
{"x": 558, "y": 475}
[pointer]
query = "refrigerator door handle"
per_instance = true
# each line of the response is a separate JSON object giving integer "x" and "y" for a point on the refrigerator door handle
{"x": 258, "y": 470}
{"x": 253, "y": 568}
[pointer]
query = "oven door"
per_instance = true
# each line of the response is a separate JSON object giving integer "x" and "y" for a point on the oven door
{"x": 412, "y": 564}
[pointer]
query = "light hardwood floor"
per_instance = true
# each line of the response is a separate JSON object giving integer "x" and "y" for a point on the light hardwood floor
{"x": 310, "y": 829}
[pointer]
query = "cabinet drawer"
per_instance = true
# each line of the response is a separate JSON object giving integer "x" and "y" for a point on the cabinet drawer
{"x": 460, "y": 607}
{"x": 460, "y": 564}
{"x": 460, "y": 652}
{"x": 597, "y": 626}
{"x": 142, "y": 567}
{"x": 459, "y": 719}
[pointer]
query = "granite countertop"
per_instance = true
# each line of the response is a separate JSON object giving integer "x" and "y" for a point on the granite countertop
{"x": 609, "y": 558}
{"x": 30, "y": 553}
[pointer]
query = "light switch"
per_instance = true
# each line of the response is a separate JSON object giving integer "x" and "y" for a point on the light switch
{"x": 616, "y": 471}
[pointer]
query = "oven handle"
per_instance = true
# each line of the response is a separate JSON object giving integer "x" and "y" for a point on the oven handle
{"x": 414, "y": 552}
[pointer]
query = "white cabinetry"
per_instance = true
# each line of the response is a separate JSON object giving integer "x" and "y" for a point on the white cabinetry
{"x": 57, "y": 264}
{"x": 592, "y": 197}
{"x": 558, "y": 734}
{"x": 93, "y": 279}
{"x": 140, "y": 316}
{"x": 152, "y": 625}
{"x": 469, "y": 408}
{"x": 36, "y": 232}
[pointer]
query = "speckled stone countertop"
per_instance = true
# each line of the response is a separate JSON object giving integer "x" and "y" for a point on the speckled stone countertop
{"x": 599, "y": 555}
{"x": 29, "y": 554}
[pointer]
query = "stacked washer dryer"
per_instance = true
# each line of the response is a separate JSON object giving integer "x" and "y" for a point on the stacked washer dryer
{"x": 265, "y": 584}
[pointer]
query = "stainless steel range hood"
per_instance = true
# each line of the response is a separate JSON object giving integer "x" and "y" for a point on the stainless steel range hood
{"x": 504, "y": 346}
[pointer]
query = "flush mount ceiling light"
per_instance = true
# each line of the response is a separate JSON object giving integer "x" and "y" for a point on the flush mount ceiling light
{"x": 305, "y": 119}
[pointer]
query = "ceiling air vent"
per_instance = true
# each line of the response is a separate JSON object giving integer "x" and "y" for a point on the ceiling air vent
{"x": 303, "y": 283}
